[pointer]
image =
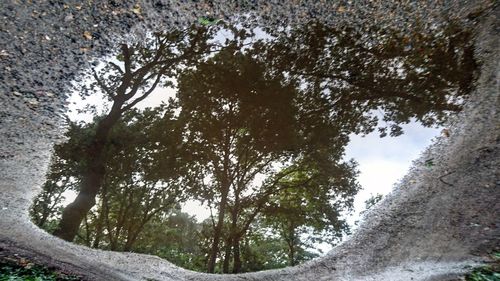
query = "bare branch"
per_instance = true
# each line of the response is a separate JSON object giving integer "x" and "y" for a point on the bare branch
{"x": 103, "y": 85}
{"x": 127, "y": 55}
{"x": 117, "y": 67}
{"x": 147, "y": 93}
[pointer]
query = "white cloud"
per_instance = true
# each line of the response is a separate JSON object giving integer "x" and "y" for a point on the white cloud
{"x": 384, "y": 161}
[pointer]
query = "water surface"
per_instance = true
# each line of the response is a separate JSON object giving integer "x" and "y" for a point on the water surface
{"x": 250, "y": 122}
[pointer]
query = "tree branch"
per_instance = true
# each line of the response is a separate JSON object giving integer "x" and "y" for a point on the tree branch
{"x": 103, "y": 85}
{"x": 147, "y": 93}
{"x": 117, "y": 67}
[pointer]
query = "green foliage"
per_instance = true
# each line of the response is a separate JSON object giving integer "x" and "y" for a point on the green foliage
{"x": 257, "y": 133}
{"x": 262, "y": 251}
{"x": 421, "y": 76}
{"x": 486, "y": 273}
{"x": 309, "y": 205}
{"x": 134, "y": 190}
{"x": 175, "y": 237}
{"x": 243, "y": 122}
{"x": 483, "y": 274}
{"x": 372, "y": 201}
{"x": 11, "y": 271}
{"x": 64, "y": 175}
{"x": 264, "y": 248}
{"x": 208, "y": 21}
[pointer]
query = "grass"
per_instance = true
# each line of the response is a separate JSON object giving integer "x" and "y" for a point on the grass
{"x": 486, "y": 273}
{"x": 20, "y": 269}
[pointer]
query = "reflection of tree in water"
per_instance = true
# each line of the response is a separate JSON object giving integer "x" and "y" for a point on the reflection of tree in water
{"x": 417, "y": 75}
{"x": 241, "y": 123}
{"x": 257, "y": 133}
{"x": 144, "y": 67}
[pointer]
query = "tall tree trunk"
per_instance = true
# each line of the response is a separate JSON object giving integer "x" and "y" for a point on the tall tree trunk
{"x": 291, "y": 254}
{"x": 227, "y": 255}
{"x": 134, "y": 234}
{"x": 87, "y": 232}
{"x": 225, "y": 185}
{"x": 291, "y": 245}
{"x": 235, "y": 235}
{"x": 43, "y": 219}
{"x": 92, "y": 178}
{"x": 218, "y": 231}
{"x": 236, "y": 254}
{"x": 98, "y": 233}
{"x": 129, "y": 242}
{"x": 100, "y": 220}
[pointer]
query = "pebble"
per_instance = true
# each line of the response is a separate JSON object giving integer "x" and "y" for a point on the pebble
{"x": 69, "y": 17}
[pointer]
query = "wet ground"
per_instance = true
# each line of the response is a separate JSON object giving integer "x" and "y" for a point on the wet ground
{"x": 421, "y": 231}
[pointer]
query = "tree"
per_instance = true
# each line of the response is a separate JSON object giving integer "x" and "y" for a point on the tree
{"x": 220, "y": 129}
{"x": 241, "y": 122}
{"x": 174, "y": 236}
{"x": 297, "y": 98}
{"x": 257, "y": 133}
{"x": 138, "y": 203}
{"x": 64, "y": 175}
{"x": 133, "y": 191}
{"x": 144, "y": 65}
{"x": 422, "y": 75}
{"x": 312, "y": 209}
{"x": 261, "y": 251}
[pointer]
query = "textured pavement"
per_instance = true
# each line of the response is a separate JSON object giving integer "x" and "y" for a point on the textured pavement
{"x": 437, "y": 222}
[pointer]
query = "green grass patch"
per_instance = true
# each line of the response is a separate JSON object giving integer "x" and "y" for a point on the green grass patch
{"x": 19, "y": 269}
{"x": 486, "y": 273}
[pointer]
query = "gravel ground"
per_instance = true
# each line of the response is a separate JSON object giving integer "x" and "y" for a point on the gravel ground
{"x": 437, "y": 222}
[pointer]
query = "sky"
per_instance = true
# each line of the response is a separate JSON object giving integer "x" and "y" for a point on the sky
{"x": 382, "y": 161}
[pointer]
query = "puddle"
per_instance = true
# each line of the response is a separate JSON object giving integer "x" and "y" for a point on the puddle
{"x": 262, "y": 130}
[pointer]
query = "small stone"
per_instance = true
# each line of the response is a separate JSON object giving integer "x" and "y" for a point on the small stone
{"x": 87, "y": 35}
{"x": 136, "y": 10}
{"x": 445, "y": 133}
{"x": 69, "y": 17}
{"x": 32, "y": 101}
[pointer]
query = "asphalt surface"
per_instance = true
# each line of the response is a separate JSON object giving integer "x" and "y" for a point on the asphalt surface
{"x": 439, "y": 221}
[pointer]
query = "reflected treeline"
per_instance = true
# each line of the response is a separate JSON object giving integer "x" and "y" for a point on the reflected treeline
{"x": 256, "y": 133}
